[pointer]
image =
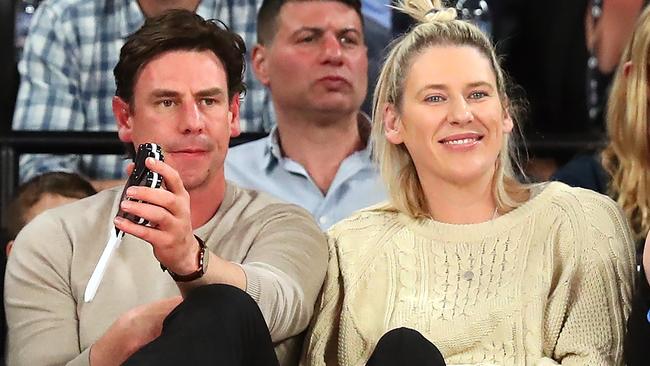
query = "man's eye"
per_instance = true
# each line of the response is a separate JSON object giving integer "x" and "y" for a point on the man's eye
{"x": 208, "y": 101}
{"x": 345, "y": 40}
{"x": 166, "y": 102}
{"x": 307, "y": 39}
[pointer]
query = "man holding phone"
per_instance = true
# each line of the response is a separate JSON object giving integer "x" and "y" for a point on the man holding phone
{"x": 179, "y": 81}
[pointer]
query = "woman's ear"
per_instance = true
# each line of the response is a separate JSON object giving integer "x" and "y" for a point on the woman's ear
{"x": 627, "y": 68}
{"x": 508, "y": 123}
{"x": 392, "y": 125}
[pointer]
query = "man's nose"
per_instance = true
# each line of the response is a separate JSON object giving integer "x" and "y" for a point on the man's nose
{"x": 191, "y": 120}
{"x": 332, "y": 49}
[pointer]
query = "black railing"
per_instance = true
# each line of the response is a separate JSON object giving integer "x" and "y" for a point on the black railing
{"x": 15, "y": 143}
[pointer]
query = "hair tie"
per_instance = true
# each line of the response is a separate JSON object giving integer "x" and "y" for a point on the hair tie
{"x": 431, "y": 13}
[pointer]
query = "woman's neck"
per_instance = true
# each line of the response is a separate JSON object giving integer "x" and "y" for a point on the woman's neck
{"x": 460, "y": 203}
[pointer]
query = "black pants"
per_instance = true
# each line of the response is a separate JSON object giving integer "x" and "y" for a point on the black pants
{"x": 222, "y": 325}
{"x": 638, "y": 325}
{"x": 405, "y": 346}
{"x": 214, "y": 325}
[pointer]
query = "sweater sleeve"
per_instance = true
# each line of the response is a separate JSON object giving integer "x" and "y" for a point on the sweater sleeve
{"x": 40, "y": 307}
{"x": 285, "y": 269}
{"x": 591, "y": 286}
{"x": 320, "y": 346}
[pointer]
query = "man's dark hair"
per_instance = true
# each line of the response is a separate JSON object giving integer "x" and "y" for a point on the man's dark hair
{"x": 267, "y": 17}
{"x": 65, "y": 184}
{"x": 177, "y": 30}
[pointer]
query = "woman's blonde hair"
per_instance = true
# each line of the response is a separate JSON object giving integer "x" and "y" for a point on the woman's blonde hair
{"x": 627, "y": 155}
{"x": 437, "y": 26}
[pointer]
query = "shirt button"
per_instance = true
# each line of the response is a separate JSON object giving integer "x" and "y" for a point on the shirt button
{"x": 323, "y": 220}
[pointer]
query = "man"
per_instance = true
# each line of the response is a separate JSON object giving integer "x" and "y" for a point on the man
{"x": 178, "y": 84}
{"x": 66, "y": 80}
{"x": 312, "y": 57}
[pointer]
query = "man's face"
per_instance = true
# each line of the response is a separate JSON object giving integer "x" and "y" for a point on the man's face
{"x": 180, "y": 101}
{"x": 317, "y": 60}
{"x": 153, "y": 8}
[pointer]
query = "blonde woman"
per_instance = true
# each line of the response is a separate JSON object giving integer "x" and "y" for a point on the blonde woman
{"x": 626, "y": 155}
{"x": 463, "y": 256}
{"x": 626, "y": 158}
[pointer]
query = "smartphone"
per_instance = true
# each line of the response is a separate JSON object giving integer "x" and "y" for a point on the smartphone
{"x": 142, "y": 176}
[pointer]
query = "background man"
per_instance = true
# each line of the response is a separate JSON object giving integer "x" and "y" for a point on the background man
{"x": 178, "y": 84}
{"x": 312, "y": 57}
{"x": 67, "y": 81}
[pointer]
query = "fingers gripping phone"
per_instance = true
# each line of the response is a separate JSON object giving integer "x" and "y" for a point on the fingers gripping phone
{"x": 142, "y": 176}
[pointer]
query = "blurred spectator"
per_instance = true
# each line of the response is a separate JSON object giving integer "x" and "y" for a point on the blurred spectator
{"x": 35, "y": 196}
{"x": 377, "y": 34}
{"x": 549, "y": 56}
{"x": 626, "y": 154}
{"x": 40, "y": 193}
{"x": 312, "y": 57}
{"x": 24, "y": 12}
{"x": 67, "y": 81}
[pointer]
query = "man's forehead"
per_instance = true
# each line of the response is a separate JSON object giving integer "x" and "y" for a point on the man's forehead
{"x": 317, "y": 14}
{"x": 174, "y": 70}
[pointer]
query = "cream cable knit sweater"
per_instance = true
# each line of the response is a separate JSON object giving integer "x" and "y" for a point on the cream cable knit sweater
{"x": 548, "y": 283}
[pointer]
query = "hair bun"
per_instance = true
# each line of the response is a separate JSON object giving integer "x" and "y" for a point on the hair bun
{"x": 425, "y": 11}
{"x": 440, "y": 15}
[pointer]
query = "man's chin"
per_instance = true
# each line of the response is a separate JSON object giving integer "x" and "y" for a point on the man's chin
{"x": 193, "y": 180}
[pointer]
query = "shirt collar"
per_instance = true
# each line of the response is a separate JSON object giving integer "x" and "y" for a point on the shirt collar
{"x": 273, "y": 150}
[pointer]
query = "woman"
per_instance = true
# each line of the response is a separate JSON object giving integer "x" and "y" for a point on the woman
{"x": 626, "y": 155}
{"x": 491, "y": 271}
{"x": 626, "y": 159}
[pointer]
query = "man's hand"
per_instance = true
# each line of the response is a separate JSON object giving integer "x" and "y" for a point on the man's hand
{"x": 170, "y": 233}
{"x": 646, "y": 258}
{"x": 131, "y": 331}
{"x": 168, "y": 211}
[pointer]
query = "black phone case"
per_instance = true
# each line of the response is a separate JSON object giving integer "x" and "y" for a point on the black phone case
{"x": 142, "y": 176}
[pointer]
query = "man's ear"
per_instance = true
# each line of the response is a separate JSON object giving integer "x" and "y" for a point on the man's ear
{"x": 260, "y": 67}
{"x": 233, "y": 116}
{"x": 122, "y": 112}
{"x": 393, "y": 127}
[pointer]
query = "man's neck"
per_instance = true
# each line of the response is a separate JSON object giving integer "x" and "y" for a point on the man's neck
{"x": 319, "y": 142}
{"x": 153, "y": 8}
{"x": 206, "y": 200}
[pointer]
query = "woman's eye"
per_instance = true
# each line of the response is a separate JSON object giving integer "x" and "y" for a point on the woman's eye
{"x": 478, "y": 95}
{"x": 433, "y": 99}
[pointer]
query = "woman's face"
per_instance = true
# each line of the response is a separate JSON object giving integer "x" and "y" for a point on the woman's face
{"x": 451, "y": 118}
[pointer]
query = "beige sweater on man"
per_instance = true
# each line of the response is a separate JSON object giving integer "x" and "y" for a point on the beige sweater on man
{"x": 547, "y": 283}
{"x": 280, "y": 247}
